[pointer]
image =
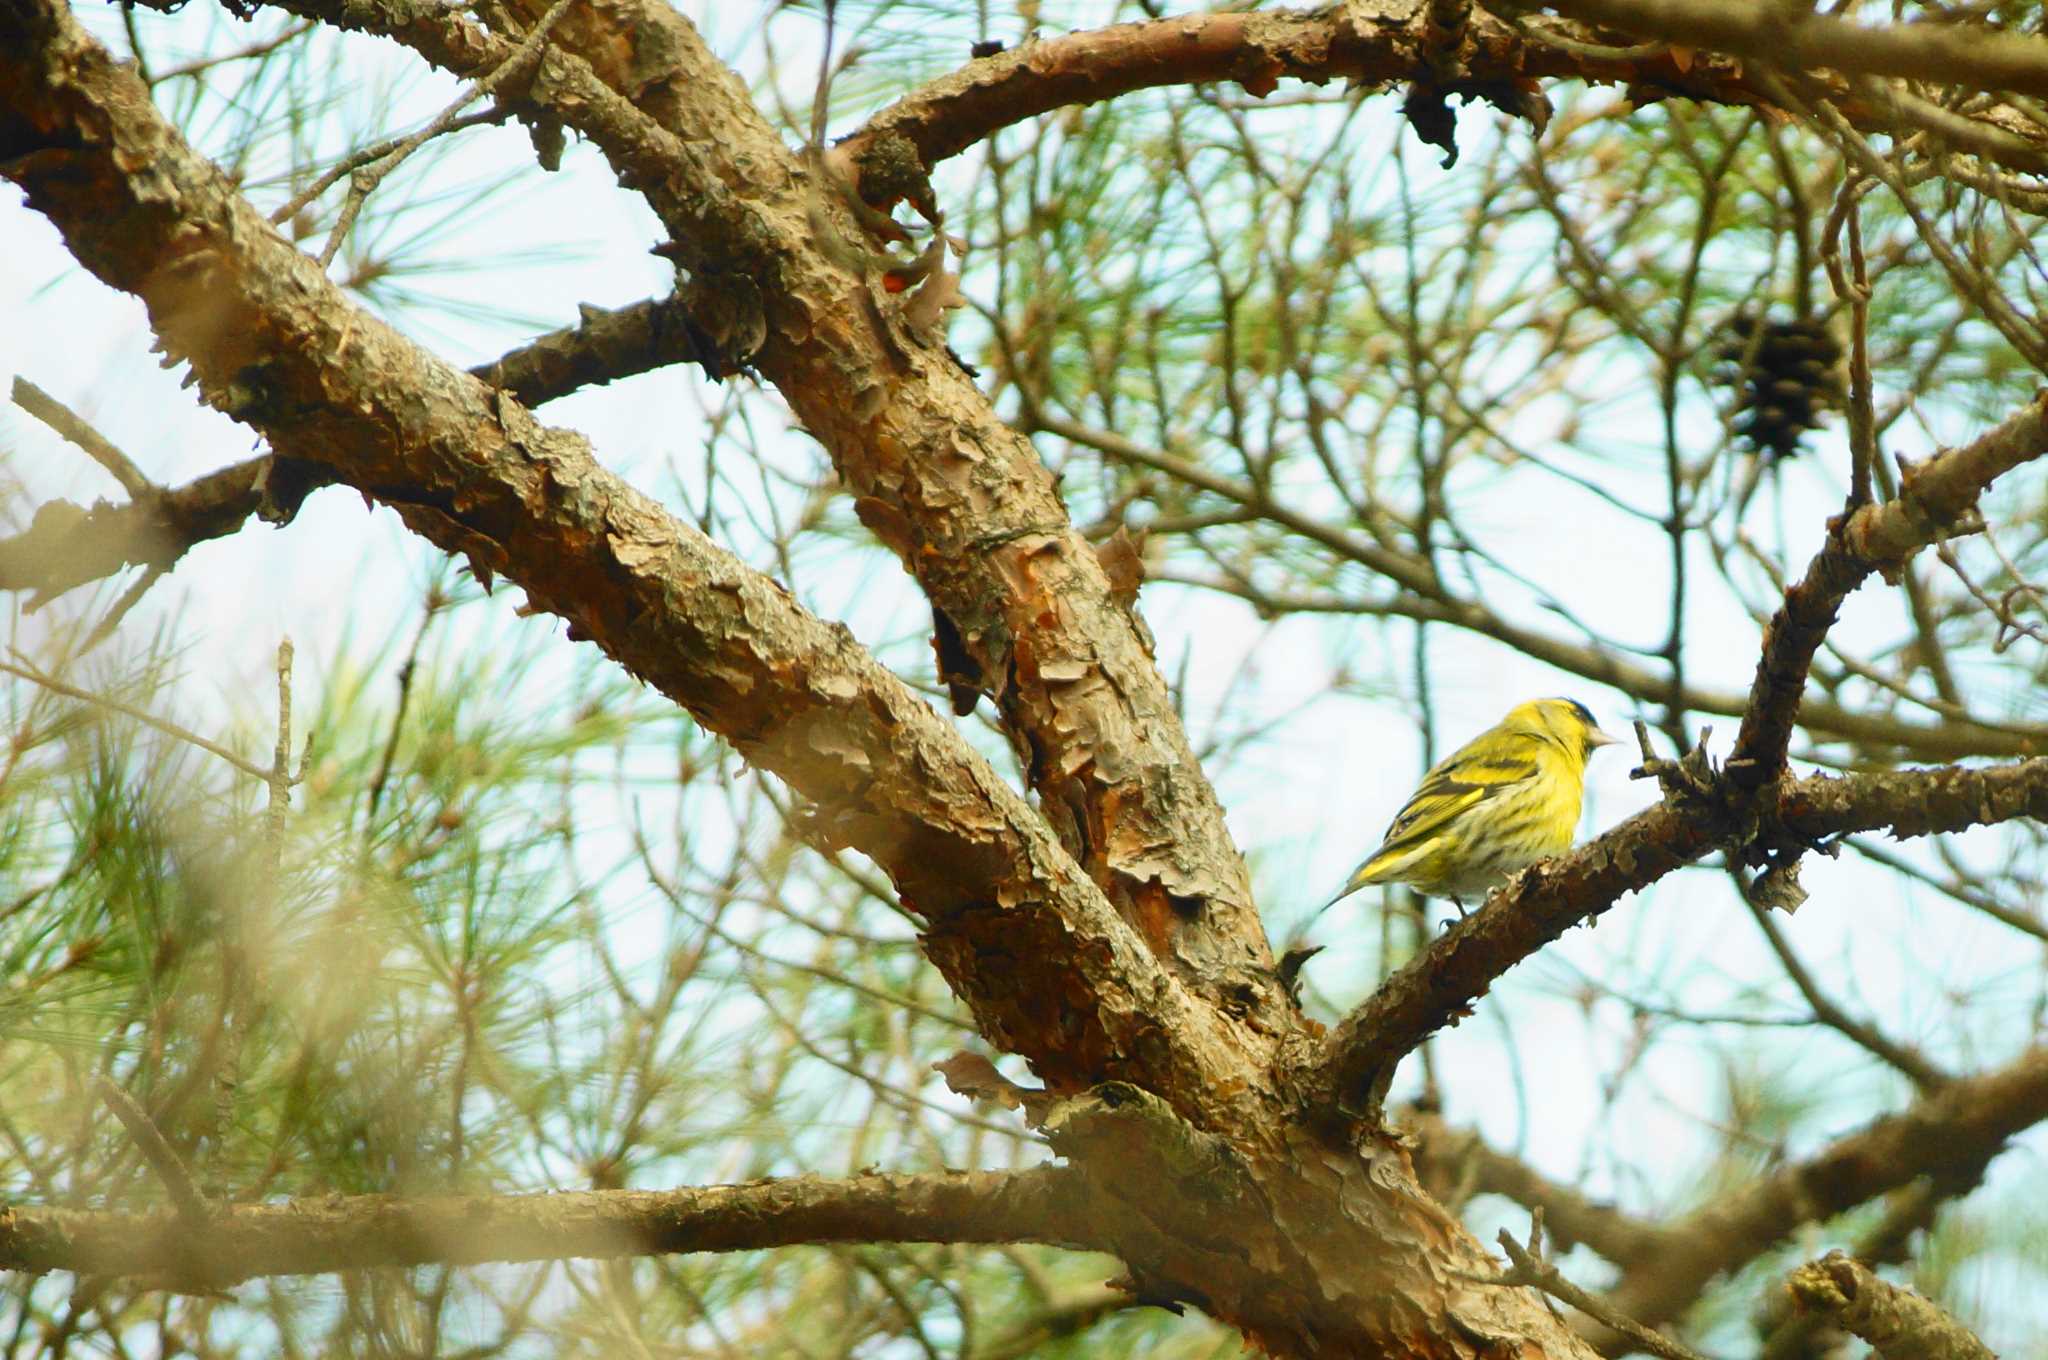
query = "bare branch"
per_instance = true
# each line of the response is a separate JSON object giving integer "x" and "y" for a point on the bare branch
{"x": 1459, "y": 966}
{"x": 1531, "y": 1269}
{"x": 1046, "y": 1204}
{"x": 778, "y": 278}
{"x": 470, "y": 470}
{"x": 1899, "y": 1324}
{"x": 1386, "y": 43}
{"x": 97, "y": 446}
{"x": 144, "y": 716}
{"x": 1950, "y": 1136}
{"x": 1972, "y": 58}
{"x": 162, "y": 1157}
{"x": 1934, "y": 498}
{"x": 65, "y": 547}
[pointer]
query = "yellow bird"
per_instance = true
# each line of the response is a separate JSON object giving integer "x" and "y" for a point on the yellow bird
{"x": 1494, "y": 806}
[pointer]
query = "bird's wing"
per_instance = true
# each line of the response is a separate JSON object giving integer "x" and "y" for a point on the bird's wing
{"x": 1454, "y": 786}
{"x": 1450, "y": 789}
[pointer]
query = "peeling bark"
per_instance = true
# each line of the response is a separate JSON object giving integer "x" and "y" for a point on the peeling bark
{"x": 1021, "y": 932}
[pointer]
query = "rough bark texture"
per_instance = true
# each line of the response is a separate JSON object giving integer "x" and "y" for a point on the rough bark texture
{"x": 1389, "y": 41}
{"x": 1344, "y": 1250}
{"x": 963, "y": 499}
{"x": 277, "y": 346}
{"x": 1898, "y": 1324}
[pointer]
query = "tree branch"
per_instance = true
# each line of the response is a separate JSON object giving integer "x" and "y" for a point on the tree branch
{"x": 65, "y": 546}
{"x": 1975, "y": 57}
{"x": 1047, "y": 1204}
{"x": 1898, "y": 1323}
{"x": 1934, "y": 498}
{"x": 1388, "y": 42}
{"x": 1439, "y": 986}
{"x": 272, "y": 342}
{"x": 780, "y": 279}
{"x": 1950, "y": 1136}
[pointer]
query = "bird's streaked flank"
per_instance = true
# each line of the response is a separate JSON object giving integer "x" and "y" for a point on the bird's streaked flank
{"x": 1490, "y": 809}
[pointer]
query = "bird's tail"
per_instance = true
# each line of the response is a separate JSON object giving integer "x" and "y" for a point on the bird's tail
{"x": 1361, "y": 877}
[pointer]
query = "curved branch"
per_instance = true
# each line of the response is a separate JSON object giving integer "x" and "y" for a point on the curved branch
{"x": 1389, "y": 41}
{"x": 1047, "y": 1204}
{"x": 1934, "y": 497}
{"x": 781, "y": 276}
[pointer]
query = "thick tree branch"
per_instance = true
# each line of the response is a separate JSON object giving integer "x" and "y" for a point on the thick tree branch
{"x": 781, "y": 282}
{"x": 1934, "y": 498}
{"x": 1441, "y": 984}
{"x": 1388, "y": 42}
{"x": 1898, "y": 1323}
{"x": 66, "y": 546}
{"x": 274, "y": 343}
{"x": 1047, "y": 1204}
{"x": 1949, "y": 1136}
{"x": 1970, "y": 57}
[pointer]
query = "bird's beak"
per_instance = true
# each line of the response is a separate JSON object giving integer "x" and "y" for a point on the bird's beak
{"x": 1597, "y": 738}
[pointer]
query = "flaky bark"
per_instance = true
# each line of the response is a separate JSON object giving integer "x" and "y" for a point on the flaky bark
{"x": 272, "y": 342}
{"x": 1349, "y": 1250}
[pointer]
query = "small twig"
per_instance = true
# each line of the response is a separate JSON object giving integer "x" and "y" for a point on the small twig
{"x": 2009, "y": 628}
{"x": 67, "y": 423}
{"x": 257, "y": 49}
{"x": 131, "y": 597}
{"x": 1530, "y": 1270}
{"x": 1855, "y": 290}
{"x": 168, "y": 728}
{"x": 279, "y": 777}
{"x": 375, "y": 151}
{"x": 159, "y": 1153}
{"x": 363, "y": 181}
